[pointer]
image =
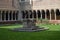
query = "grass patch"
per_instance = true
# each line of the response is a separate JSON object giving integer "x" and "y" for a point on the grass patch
{"x": 52, "y": 34}
{"x": 51, "y": 27}
{"x": 11, "y": 26}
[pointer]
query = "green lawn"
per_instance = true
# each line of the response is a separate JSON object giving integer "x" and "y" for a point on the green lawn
{"x": 52, "y": 34}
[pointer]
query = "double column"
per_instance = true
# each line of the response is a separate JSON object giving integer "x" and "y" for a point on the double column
{"x": 52, "y": 16}
{"x": 55, "y": 14}
{"x": 0, "y": 15}
{"x": 44, "y": 14}
{"x": 4, "y": 15}
{"x": 28, "y": 14}
{"x": 12, "y": 15}
{"x": 8, "y": 15}
{"x": 41, "y": 14}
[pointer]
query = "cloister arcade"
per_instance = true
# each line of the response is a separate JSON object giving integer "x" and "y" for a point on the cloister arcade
{"x": 51, "y": 15}
{"x": 6, "y": 15}
{"x": 12, "y": 15}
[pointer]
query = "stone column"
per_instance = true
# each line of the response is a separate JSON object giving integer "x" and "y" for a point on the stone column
{"x": 50, "y": 15}
{"x": 5, "y": 16}
{"x": 30, "y": 1}
{"x": 33, "y": 15}
{"x": 1, "y": 15}
{"x": 19, "y": 15}
{"x": 45, "y": 15}
{"x": 15, "y": 15}
{"x": 55, "y": 14}
{"x": 41, "y": 15}
{"x": 12, "y": 15}
{"x": 37, "y": 16}
{"x": 25, "y": 15}
{"x": 29, "y": 14}
{"x": 8, "y": 15}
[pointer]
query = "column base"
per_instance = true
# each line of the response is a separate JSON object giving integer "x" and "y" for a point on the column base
{"x": 25, "y": 29}
{"x": 29, "y": 26}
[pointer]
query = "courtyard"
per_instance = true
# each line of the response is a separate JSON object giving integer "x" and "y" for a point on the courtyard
{"x": 52, "y": 34}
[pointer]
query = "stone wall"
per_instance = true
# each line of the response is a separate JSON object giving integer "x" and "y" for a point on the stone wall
{"x": 26, "y": 6}
{"x": 7, "y": 8}
{"x": 8, "y": 4}
{"x": 46, "y": 4}
{"x": 5, "y": 3}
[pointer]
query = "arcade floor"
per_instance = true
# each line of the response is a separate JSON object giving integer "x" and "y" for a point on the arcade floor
{"x": 52, "y": 34}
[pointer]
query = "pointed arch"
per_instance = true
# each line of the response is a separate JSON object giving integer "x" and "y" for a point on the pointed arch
{"x": 39, "y": 13}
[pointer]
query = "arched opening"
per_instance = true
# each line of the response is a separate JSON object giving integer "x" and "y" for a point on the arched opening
{"x": 39, "y": 13}
{"x": 57, "y": 14}
{"x": 3, "y": 12}
{"x": 6, "y": 15}
{"x": 52, "y": 14}
{"x": 30, "y": 13}
{"x": 34, "y": 13}
{"x": 43, "y": 14}
{"x": 13, "y": 15}
{"x": 26, "y": 14}
{"x": 10, "y": 15}
{"x": 23, "y": 14}
{"x": 17, "y": 15}
{"x": 48, "y": 14}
